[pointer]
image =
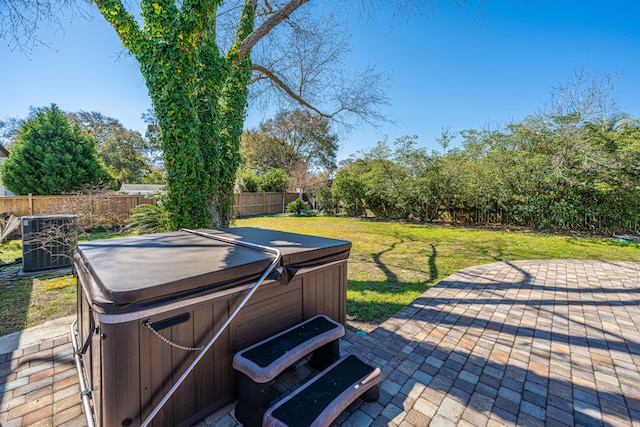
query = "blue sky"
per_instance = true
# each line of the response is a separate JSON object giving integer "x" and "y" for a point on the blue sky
{"x": 448, "y": 68}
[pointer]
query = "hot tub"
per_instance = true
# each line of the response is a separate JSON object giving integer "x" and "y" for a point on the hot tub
{"x": 145, "y": 304}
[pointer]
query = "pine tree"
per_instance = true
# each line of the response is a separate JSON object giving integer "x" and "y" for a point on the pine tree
{"x": 52, "y": 156}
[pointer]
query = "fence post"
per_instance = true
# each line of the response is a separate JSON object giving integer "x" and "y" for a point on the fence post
{"x": 264, "y": 203}
{"x": 30, "y": 204}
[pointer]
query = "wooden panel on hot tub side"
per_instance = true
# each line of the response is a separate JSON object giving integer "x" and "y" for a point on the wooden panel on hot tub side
{"x": 325, "y": 292}
{"x": 209, "y": 386}
{"x": 273, "y": 308}
{"x": 120, "y": 374}
{"x": 133, "y": 369}
{"x": 276, "y": 307}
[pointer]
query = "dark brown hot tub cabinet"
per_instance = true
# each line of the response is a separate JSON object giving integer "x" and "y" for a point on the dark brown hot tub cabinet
{"x": 185, "y": 286}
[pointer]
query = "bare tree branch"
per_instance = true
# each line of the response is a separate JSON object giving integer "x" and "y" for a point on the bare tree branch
{"x": 588, "y": 96}
{"x": 21, "y": 20}
{"x": 271, "y": 76}
{"x": 269, "y": 24}
{"x": 299, "y": 51}
{"x": 301, "y": 64}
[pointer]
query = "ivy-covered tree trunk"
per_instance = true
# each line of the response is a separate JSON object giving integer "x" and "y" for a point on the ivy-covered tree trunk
{"x": 199, "y": 96}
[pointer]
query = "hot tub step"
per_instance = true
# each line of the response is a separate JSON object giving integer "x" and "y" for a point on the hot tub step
{"x": 321, "y": 400}
{"x": 265, "y": 360}
{"x": 260, "y": 364}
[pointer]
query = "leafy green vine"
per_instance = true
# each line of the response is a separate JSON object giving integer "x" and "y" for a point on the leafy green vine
{"x": 199, "y": 96}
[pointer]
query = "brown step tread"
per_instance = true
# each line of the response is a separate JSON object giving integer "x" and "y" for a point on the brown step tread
{"x": 321, "y": 400}
{"x": 267, "y": 359}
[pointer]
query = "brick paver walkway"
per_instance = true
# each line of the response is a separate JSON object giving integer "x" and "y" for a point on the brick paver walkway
{"x": 39, "y": 386}
{"x": 522, "y": 343}
{"x": 525, "y": 343}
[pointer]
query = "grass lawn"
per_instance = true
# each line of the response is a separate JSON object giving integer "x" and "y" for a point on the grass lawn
{"x": 391, "y": 264}
{"x": 31, "y": 301}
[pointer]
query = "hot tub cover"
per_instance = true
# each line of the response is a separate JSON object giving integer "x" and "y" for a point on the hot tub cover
{"x": 131, "y": 273}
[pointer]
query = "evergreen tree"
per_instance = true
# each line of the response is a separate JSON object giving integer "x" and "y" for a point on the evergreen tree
{"x": 52, "y": 156}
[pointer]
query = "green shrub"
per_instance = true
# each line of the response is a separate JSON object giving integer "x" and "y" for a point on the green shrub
{"x": 274, "y": 181}
{"x": 326, "y": 201}
{"x": 147, "y": 219}
{"x": 248, "y": 181}
{"x": 349, "y": 188}
{"x": 297, "y": 206}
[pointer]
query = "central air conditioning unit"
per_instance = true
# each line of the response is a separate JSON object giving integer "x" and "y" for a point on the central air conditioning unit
{"x": 48, "y": 242}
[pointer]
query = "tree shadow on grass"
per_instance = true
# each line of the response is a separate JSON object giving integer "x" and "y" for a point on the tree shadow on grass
{"x": 376, "y": 311}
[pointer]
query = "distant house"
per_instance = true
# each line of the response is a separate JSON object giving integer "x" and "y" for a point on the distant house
{"x": 144, "y": 189}
{"x": 3, "y": 155}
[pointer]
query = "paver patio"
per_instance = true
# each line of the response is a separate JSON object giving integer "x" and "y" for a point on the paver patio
{"x": 511, "y": 343}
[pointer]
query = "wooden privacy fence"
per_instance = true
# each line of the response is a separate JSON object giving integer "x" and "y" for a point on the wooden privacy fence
{"x": 92, "y": 210}
{"x": 114, "y": 209}
{"x": 262, "y": 203}
{"x": 497, "y": 216}
{"x": 473, "y": 216}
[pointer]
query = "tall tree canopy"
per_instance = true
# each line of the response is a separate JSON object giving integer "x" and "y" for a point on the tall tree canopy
{"x": 198, "y": 58}
{"x": 127, "y": 155}
{"x": 52, "y": 156}
{"x": 298, "y": 141}
{"x": 573, "y": 166}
